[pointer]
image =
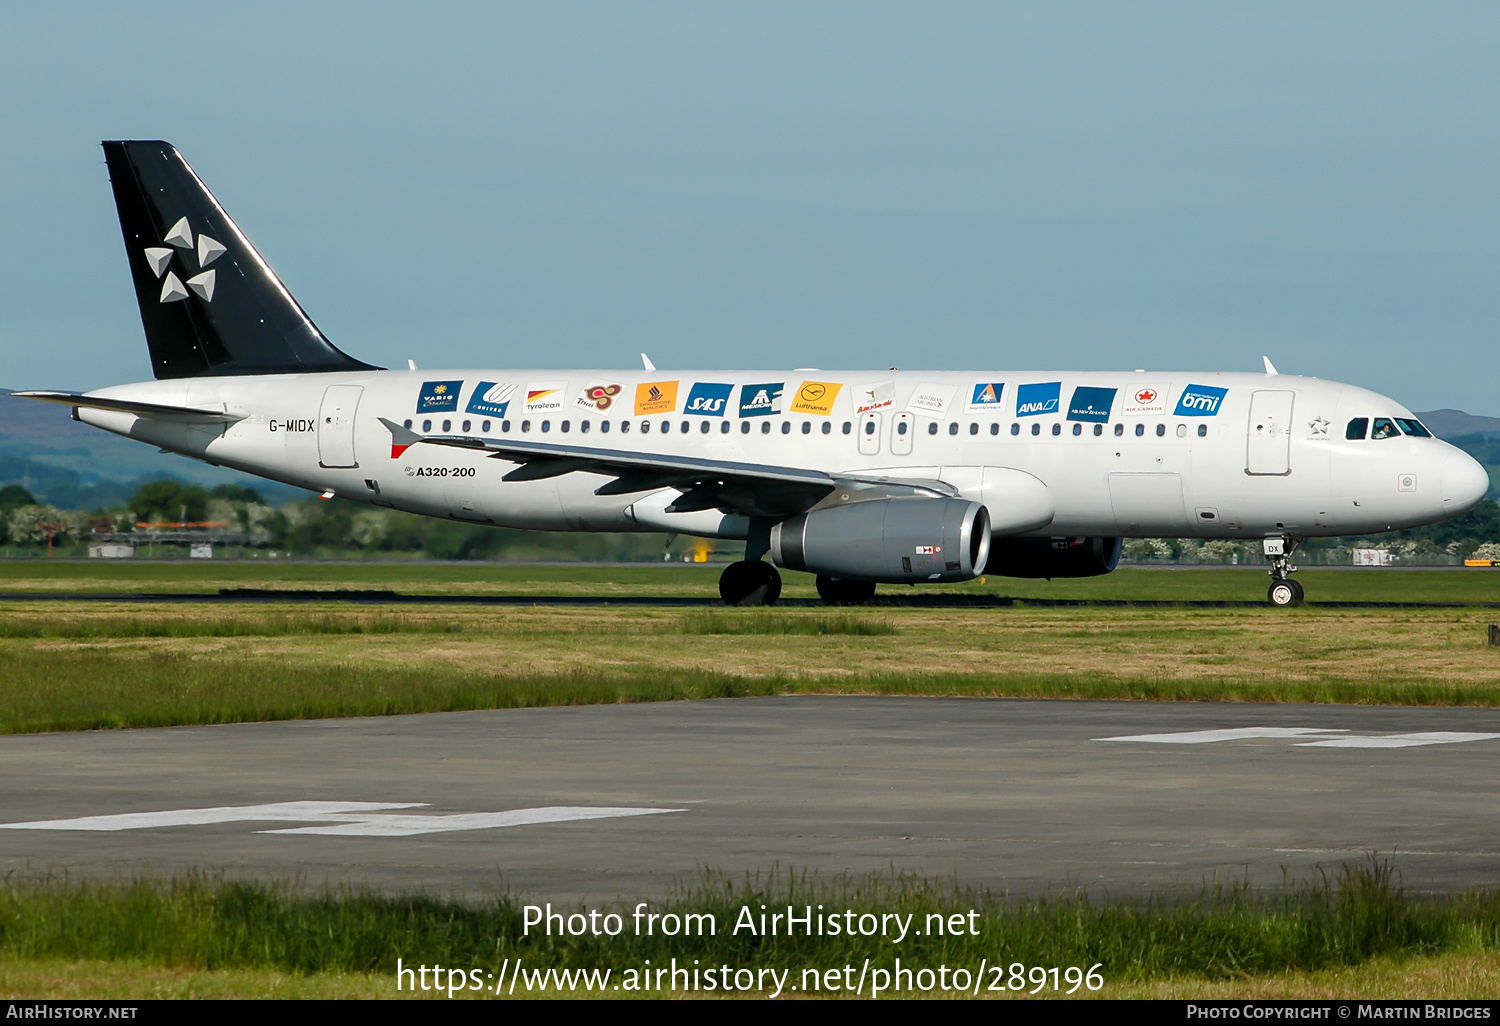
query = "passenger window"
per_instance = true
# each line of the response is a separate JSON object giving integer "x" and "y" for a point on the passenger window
{"x": 848, "y": 427}
{"x": 426, "y": 425}
{"x": 974, "y": 429}
{"x": 566, "y": 426}
{"x": 1098, "y": 430}
{"x": 407, "y": 424}
{"x": 546, "y": 426}
{"x": 645, "y": 427}
{"x": 744, "y": 426}
{"x": 525, "y": 426}
{"x": 704, "y": 429}
{"x": 1161, "y": 431}
{"x": 1015, "y": 429}
{"x": 505, "y": 427}
{"x": 466, "y": 425}
{"x": 765, "y": 427}
{"x": 1140, "y": 429}
{"x": 1413, "y": 428}
{"x": 447, "y": 425}
{"x": 1057, "y": 429}
{"x": 1357, "y": 428}
{"x": 1036, "y": 429}
{"x": 1119, "y": 430}
{"x": 485, "y": 427}
{"x": 869, "y": 427}
{"x": 828, "y": 427}
{"x": 1181, "y": 430}
{"x": 1077, "y": 429}
{"x": 1384, "y": 428}
{"x": 953, "y": 428}
{"x": 932, "y": 428}
{"x": 604, "y": 426}
{"x": 583, "y": 426}
{"x": 995, "y": 427}
{"x": 1202, "y": 430}
{"x": 624, "y": 427}
{"x": 807, "y": 427}
{"x": 723, "y": 427}
{"x": 901, "y": 427}
{"x": 786, "y": 427}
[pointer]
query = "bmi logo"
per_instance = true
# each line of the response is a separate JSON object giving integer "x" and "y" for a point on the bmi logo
{"x": 1200, "y": 401}
{"x": 159, "y": 259}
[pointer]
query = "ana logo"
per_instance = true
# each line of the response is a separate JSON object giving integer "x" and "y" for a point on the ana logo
{"x": 490, "y": 399}
{"x": 439, "y": 396}
{"x": 544, "y": 396}
{"x": 1091, "y": 404}
{"x": 816, "y": 397}
{"x": 1035, "y": 400}
{"x": 708, "y": 399}
{"x": 599, "y": 396}
{"x": 761, "y": 400}
{"x": 655, "y": 397}
{"x": 159, "y": 259}
{"x": 1200, "y": 401}
{"x": 986, "y": 395}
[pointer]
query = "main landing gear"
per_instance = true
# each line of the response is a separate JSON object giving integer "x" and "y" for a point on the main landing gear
{"x": 837, "y": 591}
{"x": 750, "y": 582}
{"x": 1284, "y": 591}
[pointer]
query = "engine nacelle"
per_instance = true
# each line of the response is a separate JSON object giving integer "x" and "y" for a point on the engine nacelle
{"x": 1053, "y": 557}
{"x": 900, "y": 540}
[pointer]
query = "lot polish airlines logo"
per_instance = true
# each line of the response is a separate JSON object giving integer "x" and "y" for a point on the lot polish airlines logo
{"x": 1035, "y": 400}
{"x": 159, "y": 259}
{"x": 1200, "y": 401}
{"x": 708, "y": 399}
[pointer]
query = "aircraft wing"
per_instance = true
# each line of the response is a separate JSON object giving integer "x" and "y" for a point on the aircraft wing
{"x": 140, "y": 409}
{"x": 750, "y": 489}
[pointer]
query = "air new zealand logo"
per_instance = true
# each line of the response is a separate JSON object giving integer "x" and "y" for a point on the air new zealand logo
{"x": 173, "y": 288}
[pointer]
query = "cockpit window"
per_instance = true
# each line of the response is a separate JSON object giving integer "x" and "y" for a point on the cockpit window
{"x": 1413, "y": 427}
{"x": 1357, "y": 428}
{"x": 1384, "y": 428}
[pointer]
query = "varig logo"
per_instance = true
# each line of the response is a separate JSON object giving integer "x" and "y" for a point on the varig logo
{"x": 1200, "y": 401}
{"x": 708, "y": 399}
{"x": 159, "y": 259}
{"x": 439, "y": 396}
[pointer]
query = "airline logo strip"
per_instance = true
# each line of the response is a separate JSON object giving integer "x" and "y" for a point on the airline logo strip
{"x": 1091, "y": 404}
{"x": 655, "y": 397}
{"x": 1200, "y": 401}
{"x": 816, "y": 397}
{"x": 1035, "y": 400}
{"x": 708, "y": 399}
{"x": 1144, "y": 400}
{"x": 545, "y": 396}
{"x": 877, "y": 397}
{"x": 761, "y": 400}
{"x": 599, "y": 396}
{"x": 985, "y": 397}
{"x": 931, "y": 400}
{"x": 490, "y": 399}
{"x": 439, "y": 396}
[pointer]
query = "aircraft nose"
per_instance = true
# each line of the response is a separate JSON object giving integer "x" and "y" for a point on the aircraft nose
{"x": 1465, "y": 482}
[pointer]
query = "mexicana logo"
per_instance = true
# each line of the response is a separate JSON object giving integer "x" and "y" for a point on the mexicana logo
{"x": 439, "y": 396}
{"x": 1091, "y": 404}
{"x": 490, "y": 399}
{"x": 708, "y": 399}
{"x": 761, "y": 400}
{"x": 1033, "y": 400}
{"x": 1200, "y": 401}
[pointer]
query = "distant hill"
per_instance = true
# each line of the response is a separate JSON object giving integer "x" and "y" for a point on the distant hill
{"x": 1453, "y": 423}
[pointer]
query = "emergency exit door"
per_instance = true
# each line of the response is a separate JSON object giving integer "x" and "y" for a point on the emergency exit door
{"x": 903, "y": 426}
{"x": 869, "y": 434}
{"x": 336, "y": 426}
{"x": 1269, "y": 447}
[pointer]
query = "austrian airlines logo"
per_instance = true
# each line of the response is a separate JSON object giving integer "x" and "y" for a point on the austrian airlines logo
{"x": 159, "y": 259}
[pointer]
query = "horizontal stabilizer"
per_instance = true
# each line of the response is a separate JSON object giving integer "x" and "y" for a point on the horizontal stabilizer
{"x": 153, "y": 410}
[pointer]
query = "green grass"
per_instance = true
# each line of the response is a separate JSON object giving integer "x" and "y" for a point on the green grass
{"x": 1225, "y": 931}
{"x": 243, "y": 623}
{"x": 762, "y": 621}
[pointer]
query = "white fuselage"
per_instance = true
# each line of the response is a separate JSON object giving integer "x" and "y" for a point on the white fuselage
{"x": 1167, "y": 455}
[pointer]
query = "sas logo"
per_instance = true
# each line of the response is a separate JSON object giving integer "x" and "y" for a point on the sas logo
{"x": 490, "y": 399}
{"x": 1035, "y": 400}
{"x": 1200, "y": 401}
{"x": 1091, "y": 404}
{"x": 761, "y": 400}
{"x": 439, "y": 396}
{"x": 655, "y": 397}
{"x": 877, "y": 398}
{"x": 816, "y": 397}
{"x": 544, "y": 396}
{"x": 598, "y": 396}
{"x": 1144, "y": 400}
{"x": 708, "y": 399}
{"x": 986, "y": 396}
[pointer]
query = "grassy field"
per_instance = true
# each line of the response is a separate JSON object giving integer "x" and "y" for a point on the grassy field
{"x": 1357, "y": 934}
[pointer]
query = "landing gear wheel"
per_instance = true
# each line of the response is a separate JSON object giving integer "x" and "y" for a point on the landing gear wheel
{"x": 837, "y": 591}
{"x": 1285, "y": 593}
{"x": 750, "y": 583}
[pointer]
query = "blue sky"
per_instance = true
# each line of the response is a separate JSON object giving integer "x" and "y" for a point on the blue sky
{"x": 1036, "y": 186}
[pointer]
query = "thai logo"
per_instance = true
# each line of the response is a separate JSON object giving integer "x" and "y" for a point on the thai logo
{"x": 1200, "y": 401}
{"x": 1091, "y": 404}
{"x": 159, "y": 259}
{"x": 490, "y": 399}
{"x": 655, "y": 397}
{"x": 599, "y": 396}
{"x": 761, "y": 400}
{"x": 1035, "y": 400}
{"x": 708, "y": 399}
{"x": 816, "y": 397}
{"x": 439, "y": 396}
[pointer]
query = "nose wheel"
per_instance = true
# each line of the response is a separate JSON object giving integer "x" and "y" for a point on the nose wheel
{"x": 750, "y": 583}
{"x": 1284, "y": 591}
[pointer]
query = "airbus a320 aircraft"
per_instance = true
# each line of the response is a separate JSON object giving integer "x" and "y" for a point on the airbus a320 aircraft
{"x": 860, "y": 478}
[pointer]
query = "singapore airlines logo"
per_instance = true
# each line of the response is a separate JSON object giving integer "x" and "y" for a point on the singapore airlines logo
{"x": 159, "y": 259}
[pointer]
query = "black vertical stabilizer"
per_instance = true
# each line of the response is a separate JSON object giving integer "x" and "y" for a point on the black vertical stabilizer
{"x": 209, "y": 303}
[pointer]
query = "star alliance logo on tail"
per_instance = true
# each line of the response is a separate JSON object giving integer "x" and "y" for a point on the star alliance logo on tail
{"x": 159, "y": 259}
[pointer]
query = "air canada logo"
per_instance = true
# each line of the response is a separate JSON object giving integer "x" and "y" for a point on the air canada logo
{"x": 207, "y": 250}
{"x": 1145, "y": 396}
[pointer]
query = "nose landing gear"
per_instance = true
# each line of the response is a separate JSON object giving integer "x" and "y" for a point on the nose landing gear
{"x": 1284, "y": 591}
{"x": 751, "y": 582}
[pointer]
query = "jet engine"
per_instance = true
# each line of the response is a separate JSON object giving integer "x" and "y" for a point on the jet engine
{"x": 1053, "y": 557}
{"x": 900, "y": 540}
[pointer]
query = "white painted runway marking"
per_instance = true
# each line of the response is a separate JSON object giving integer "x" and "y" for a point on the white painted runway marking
{"x": 342, "y": 819}
{"x": 1431, "y": 737}
{"x": 1203, "y": 737}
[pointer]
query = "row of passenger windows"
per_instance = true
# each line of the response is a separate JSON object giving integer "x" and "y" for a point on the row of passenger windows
{"x": 1385, "y": 427}
{"x": 902, "y": 427}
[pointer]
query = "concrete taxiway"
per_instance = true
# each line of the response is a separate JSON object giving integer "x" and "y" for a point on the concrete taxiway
{"x": 568, "y": 803}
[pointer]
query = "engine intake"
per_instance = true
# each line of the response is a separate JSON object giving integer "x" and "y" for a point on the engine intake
{"x": 894, "y": 540}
